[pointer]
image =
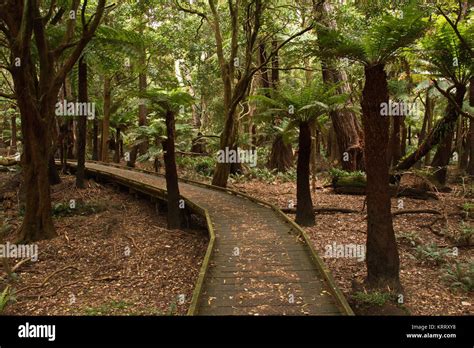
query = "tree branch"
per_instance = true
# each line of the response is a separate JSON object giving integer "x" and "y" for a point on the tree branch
{"x": 452, "y": 101}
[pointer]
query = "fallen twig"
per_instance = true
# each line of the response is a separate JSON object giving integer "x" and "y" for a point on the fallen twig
{"x": 323, "y": 210}
{"x": 43, "y": 283}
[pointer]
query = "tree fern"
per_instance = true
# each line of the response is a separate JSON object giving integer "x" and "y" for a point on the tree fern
{"x": 378, "y": 42}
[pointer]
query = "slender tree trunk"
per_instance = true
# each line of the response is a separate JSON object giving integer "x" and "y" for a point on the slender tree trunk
{"x": 470, "y": 167}
{"x": 304, "y": 210}
{"x": 142, "y": 109}
{"x": 406, "y": 135}
{"x": 82, "y": 124}
{"x": 106, "y": 120}
{"x": 382, "y": 259}
{"x": 395, "y": 141}
{"x": 462, "y": 142}
{"x": 275, "y": 66}
{"x": 444, "y": 151}
{"x": 441, "y": 130}
{"x": 117, "y": 145}
{"x": 314, "y": 155}
{"x": 95, "y": 139}
{"x": 13, "y": 138}
{"x": 172, "y": 187}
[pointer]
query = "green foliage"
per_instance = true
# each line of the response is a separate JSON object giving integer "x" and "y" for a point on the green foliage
{"x": 468, "y": 207}
{"x": 464, "y": 235}
{"x": 410, "y": 238}
{"x": 262, "y": 174}
{"x": 379, "y": 40}
{"x": 337, "y": 173}
{"x": 460, "y": 276}
{"x": 301, "y": 103}
{"x": 203, "y": 165}
{"x": 62, "y": 209}
{"x": 5, "y": 298}
{"x": 266, "y": 175}
{"x": 444, "y": 55}
{"x": 375, "y": 298}
{"x": 113, "y": 307}
{"x": 431, "y": 253}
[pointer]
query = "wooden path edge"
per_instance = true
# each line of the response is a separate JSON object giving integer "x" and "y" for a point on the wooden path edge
{"x": 193, "y": 309}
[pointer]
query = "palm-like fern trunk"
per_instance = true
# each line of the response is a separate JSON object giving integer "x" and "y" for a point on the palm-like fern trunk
{"x": 304, "y": 210}
{"x": 382, "y": 255}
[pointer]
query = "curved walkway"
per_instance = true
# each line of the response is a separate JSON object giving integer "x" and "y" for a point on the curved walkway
{"x": 259, "y": 264}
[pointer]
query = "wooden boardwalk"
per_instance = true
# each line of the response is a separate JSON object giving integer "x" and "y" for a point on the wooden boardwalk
{"x": 259, "y": 265}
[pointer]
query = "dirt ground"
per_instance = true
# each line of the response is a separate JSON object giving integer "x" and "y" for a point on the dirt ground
{"x": 425, "y": 291}
{"x": 152, "y": 279}
{"x": 113, "y": 256}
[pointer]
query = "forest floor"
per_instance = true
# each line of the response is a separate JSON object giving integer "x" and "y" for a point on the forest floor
{"x": 425, "y": 291}
{"x": 428, "y": 244}
{"x": 103, "y": 280}
{"x": 113, "y": 256}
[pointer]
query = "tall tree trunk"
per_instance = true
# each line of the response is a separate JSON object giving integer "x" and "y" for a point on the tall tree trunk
{"x": 346, "y": 126}
{"x": 82, "y": 124}
{"x": 275, "y": 66}
{"x": 281, "y": 156}
{"x": 95, "y": 139}
{"x": 142, "y": 109}
{"x": 118, "y": 139}
{"x": 382, "y": 260}
{"x": 444, "y": 151}
{"x": 406, "y": 135}
{"x": 462, "y": 143}
{"x": 228, "y": 138}
{"x": 395, "y": 140}
{"x": 441, "y": 130}
{"x": 13, "y": 138}
{"x": 304, "y": 207}
{"x": 470, "y": 167}
{"x": 53, "y": 173}
{"x": 314, "y": 154}
{"x": 173, "y": 196}
{"x": 37, "y": 222}
{"x": 106, "y": 120}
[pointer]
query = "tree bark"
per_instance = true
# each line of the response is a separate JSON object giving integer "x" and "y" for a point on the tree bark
{"x": 382, "y": 259}
{"x": 281, "y": 156}
{"x": 304, "y": 211}
{"x": 106, "y": 120}
{"x": 13, "y": 138}
{"x": 395, "y": 141}
{"x": 53, "y": 173}
{"x": 82, "y": 124}
{"x": 172, "y": 187}
{"x": 118, "y": 139}
{"x": 95, "y": 139}
{"x": 275, "y": 66}
{"x": 37, "y": 222}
